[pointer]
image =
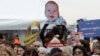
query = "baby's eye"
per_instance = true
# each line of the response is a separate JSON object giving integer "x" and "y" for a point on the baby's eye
{"x": 49, "y": 10}
{"x": 54, "y": 11}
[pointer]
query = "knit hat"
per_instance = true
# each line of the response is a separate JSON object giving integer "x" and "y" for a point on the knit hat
{"x": 16, "y": 42}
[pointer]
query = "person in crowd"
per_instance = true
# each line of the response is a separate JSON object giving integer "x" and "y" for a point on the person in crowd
{"x": 54, "y": 50}
{"x": 85, "y": 44}
{"x": 1, "y": 40}
{"x": 20, "y": 51}
{"x": 16, "y": 41}
{"x": 42, "y": 51}
{"x": 6, "y": 51}
{"x": 16, "y": 44}
{"x": 15, "y": 49}
{"x": 53, "y": 16}
{"x": 78, "y": 21}
{"x": 96, "y": 43}
{"x": 76, "y": 38}
{"x": 93, "y": 44}
{"x": 69, "y": 41}
{"x": 96, "y": 50}
{"x": 29, "y": 51}
{"x": 52, "y": 13}
{"x": 67, "y": 51}
{"x": 79, "y": 51}
{"x": 58, "y": 54}
{"x": 9, "y": 43}
{"x": 37, "y": 44}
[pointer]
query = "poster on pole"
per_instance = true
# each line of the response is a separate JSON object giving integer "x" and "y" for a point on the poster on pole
{"x": 90, "y": 28}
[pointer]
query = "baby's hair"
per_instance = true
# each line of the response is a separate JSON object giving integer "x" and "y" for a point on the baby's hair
{"x": 53, "y": 2}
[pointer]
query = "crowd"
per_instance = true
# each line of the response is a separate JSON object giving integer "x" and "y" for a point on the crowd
{"x": 80, "y": 47}
{"x": 58, "y": 34}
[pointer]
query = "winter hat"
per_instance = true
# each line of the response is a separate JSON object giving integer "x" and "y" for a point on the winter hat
{"x": 16, "y": 42}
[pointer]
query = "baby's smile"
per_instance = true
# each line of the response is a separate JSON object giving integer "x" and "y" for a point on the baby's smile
{"x": 51, "y": 17}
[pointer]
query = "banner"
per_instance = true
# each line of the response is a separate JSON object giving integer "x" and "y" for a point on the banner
{"x": 90, "y": 28}
{"x": 30, "y": 39}
{"x": 54, "y": 43}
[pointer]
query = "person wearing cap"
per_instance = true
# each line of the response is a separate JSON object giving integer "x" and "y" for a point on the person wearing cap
{"x": 16, "y": 41}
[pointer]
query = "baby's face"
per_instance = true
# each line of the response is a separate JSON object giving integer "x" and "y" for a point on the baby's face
{"x": 51, "y": 12}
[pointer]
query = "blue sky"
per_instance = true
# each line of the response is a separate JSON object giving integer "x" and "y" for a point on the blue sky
{"x": 71, "y": 10}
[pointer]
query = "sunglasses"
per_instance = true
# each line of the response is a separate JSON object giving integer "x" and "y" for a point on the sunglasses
{"x": 36, "y": 45}
{"x": 78, "y": 52}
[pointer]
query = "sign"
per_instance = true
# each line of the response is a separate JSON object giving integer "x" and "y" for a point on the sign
{"x": 54, "y": 43}
{"x": 90, "y": 28}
